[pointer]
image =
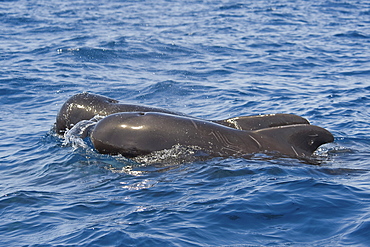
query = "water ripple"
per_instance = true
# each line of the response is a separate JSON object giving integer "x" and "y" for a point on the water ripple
{"x": 209, "y": 59}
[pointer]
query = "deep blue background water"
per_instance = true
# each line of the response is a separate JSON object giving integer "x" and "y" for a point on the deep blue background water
{"x": 209, "y": 59}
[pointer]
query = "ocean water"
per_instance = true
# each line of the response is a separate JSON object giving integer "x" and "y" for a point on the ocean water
{"x": 209, "y": 59}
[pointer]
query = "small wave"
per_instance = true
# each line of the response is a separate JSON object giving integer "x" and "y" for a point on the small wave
{"x": 233, "y": 6}
{"x": 169, "y": 88}
{"x": 92, "y": 54}
{"x": 76, "y": 135}
{"x": 176, "y": 155}
{"x": 356, "y": 72}
{"x": 352, "y": 34}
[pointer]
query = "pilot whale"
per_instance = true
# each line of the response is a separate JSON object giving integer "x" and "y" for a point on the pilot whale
{"x": 132, "y": 130}
{"x": 140, "y": 133}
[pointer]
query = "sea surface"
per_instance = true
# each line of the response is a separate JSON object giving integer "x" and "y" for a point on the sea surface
{"x": 209, "y": 59}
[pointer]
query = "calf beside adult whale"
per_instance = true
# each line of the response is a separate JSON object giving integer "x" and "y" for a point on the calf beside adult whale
{"x": 132, "y": 130}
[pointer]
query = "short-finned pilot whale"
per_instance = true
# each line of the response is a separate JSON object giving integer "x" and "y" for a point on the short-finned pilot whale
{"x": 133, "y": 130}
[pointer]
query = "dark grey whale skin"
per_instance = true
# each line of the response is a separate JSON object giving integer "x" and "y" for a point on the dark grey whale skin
{"x": 85, "y": 106}
{"x": 139, "y": 133}
{"x": 132, "y": 130}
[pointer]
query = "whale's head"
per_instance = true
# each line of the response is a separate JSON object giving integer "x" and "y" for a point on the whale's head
{"x": 83, "y": 106}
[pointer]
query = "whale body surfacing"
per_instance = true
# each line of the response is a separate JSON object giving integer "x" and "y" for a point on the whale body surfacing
{"x": 133, "y": 130}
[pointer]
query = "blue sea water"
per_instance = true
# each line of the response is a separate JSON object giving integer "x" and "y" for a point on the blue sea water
{"x": 209, "y": 59}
